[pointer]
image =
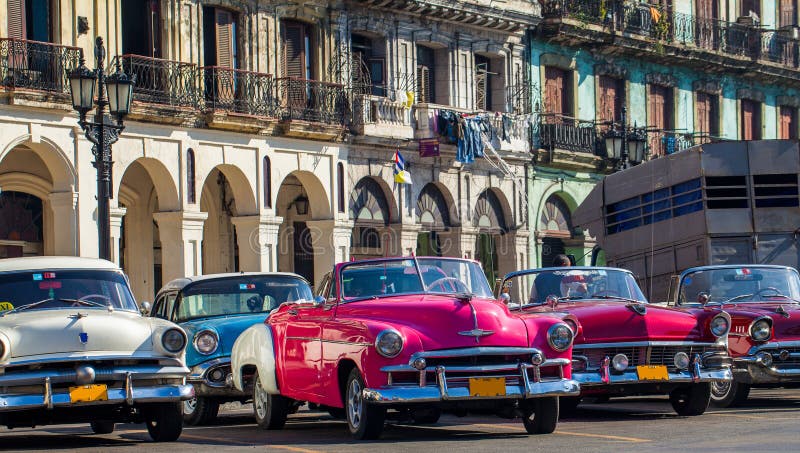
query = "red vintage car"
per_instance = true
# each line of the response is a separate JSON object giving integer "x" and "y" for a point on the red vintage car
{"x": 765, "y": 322}
{"x": 405, "y": 338}
{"x": 623, "y": 345}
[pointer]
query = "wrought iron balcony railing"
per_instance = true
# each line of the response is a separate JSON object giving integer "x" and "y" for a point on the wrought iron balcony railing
{"x": 311, "y": 100}
{"x": 161, "y": 81}
{"x": 558, "y": 131}
{"x": 239, "y": 91}
{"x": 36, "y": 65}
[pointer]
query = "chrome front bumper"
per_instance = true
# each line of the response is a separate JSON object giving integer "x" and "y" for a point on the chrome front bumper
{"x": 696, "y": 372}
{"x": 526, "y": 387}
{"x": 200, "y": 377}
{"x": 782, "y": 366}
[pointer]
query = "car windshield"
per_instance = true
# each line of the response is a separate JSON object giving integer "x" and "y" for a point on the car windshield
{"x": 42, "y": 289}
{"x": 240, "y": 295}
{"x": 534, "y": 287}
{"x": 402, "y": 276}
{"x": 740, "y": 284}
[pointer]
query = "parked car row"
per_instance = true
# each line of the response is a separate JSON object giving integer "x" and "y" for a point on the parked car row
{"x": 403, "y": 339}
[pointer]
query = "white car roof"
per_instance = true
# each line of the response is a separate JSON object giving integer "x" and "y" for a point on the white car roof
{"x": 54, "y": 262}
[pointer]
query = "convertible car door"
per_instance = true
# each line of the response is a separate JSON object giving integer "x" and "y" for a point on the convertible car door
{"x": 303, "y": 349}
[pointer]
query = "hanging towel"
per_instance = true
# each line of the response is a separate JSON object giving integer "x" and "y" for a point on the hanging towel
{"x": 409, "y": 99}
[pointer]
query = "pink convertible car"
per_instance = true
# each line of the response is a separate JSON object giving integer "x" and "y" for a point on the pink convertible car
{"x": 405, "y": 339}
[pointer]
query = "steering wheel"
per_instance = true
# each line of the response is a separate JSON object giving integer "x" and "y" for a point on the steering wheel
{"x": 103, "y": 299}
{"x": 456, "y": 285}
{"x": 606, "y": 292}
{"x": 775, "y": 291}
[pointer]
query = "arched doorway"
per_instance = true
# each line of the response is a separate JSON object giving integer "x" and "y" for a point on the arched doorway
{"x": 220, "y": 245}
{"x": 555, "y": 226}
{"x": 434, "y": 217}
{"x": 369, "y": 211}
{"x": 21, "y": 225}
{"x": 491, "y": 223}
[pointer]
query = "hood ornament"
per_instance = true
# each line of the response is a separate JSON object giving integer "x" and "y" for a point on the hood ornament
{"x": 782, "y": 311}
{"x": 640, "y": 309}
{"x": 476, "y": 332}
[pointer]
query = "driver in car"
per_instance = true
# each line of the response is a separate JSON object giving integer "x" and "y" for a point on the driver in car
{"x": 557, "y": 284}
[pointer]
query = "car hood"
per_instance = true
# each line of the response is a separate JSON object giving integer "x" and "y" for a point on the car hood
{"x": 444, "y": 322}
{"x": 618, "y": 321}
{"x": 785, "y": 317}
{"x": 228, "y": 329}
{"x": 37, "y": 332}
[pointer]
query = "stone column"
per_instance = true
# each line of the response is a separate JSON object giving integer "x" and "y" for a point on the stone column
{"x": 459, "y": 242}
{"x": 331, "y": 241}
{"x": 64, "y": 223}
{"x": 404, "y": 239}
{"x": 181, "y": 239}
{"x": 257, "y": 238}
{"x": 117, "y": 215}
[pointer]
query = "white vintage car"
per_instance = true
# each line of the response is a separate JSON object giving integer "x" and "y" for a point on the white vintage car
{"x": 74, "y": 348}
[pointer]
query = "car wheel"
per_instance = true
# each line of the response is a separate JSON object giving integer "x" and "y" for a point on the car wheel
{"x": 691, "y": 399}
{"x": 199, "y": 410}
{"x": 540, "y": 415}
{"x": 728, "y": 393}
{"x": 427, "y": 416}
{"x": 102, "y": 427}
{"x": 270, "y": 410}
{"x": 364, "y": 420}
{"x": 567, "y": 405}
{"x": 164, "y": 421}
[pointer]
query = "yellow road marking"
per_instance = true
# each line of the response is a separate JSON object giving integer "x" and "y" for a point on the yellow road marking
{"x": 239, "y": 442}
{"x": 735, "y": 415}
{"x": 565, "y": 433}
{"x": 294, "y": 449}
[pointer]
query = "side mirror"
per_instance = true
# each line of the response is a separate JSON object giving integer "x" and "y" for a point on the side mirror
{"x": 144, "y": 308}
{"x": 505, "y": 298}
{"x": 319, "y": 301}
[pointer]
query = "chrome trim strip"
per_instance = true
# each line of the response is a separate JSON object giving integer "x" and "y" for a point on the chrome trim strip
{"x": 35, "y": 377}
{"x": 774, "y": 345}
{"x": 433, "y": 394}
{"x": 640, "y": 343}
{"x": 467, "y": 352}
{"x": 116, "y": 396}
{"x": 198, "y": 371}
{"x": 474, "y": 368}
{"x": 357, "y": 343}
{"x": 128, "y": 389}
{"x": 48, "y": 393}
{"x": 596, "y": 379}
{"x": 69, "y": 359}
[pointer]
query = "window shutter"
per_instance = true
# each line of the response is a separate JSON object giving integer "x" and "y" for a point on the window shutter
{"x": 424, "y": 92}
{"x": 294, "y": 56}
{"x": 788, "y": 123}
{"x": 225, "y": 56}
{"x": 748, "y": 119}
{"x": 787, "y": 12}
{"x": 16, "y": 19}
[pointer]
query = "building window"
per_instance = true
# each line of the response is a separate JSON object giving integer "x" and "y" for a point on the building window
{"x": 426, "y": 75}
{"x": 788, "y": 122}
{"x": 660, "y": 116}
{"x": 267, "y": 169}
{"x": 490, "y": 87}
{"x": 557, "y": 94}
{"x": 30, "y": 19}
{"x": 190, "y": 183}
{"x": 610, "y": 98}
{"x": 141, "y": 26}
{"x": 368, "y": 65}
{"x": 340, "y": 186}
{"x": 750, "y": 7}
{"x": 298, "y": 46}
{"x": 707, "y": 111}
{"x": 219, "y": 37}
{"x": 787, "y": 13}
{"x": 750, "y": 119}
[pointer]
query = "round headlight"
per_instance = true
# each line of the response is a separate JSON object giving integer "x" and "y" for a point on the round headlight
{"x": 760, "y": 330}
{"x": 537, "y": 358}
{"x": 389, "y": 343}
{"x": 206, "y": 342}
{"x": 173, "y": 340}
{"x": 559, "y": 336}
{"x": 620, "y": 362}
{"x": 719, "y": 326}
{"x": 681, "y": 360}
{"x": 419, "y": 363}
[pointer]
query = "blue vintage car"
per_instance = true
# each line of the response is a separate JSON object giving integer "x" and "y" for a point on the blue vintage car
{"x": 214, "y": 310}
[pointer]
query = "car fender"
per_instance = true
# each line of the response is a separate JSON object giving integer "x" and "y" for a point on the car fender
{"x": 255, "y": 347}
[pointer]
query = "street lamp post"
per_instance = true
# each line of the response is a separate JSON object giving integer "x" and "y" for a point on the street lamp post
{"x": 101, "y": 132}
{"x": 619, "y": 141}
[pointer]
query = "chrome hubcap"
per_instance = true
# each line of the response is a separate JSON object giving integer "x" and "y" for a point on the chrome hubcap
{"x": 354, "y": 404}
{"x": 719, "y": 389}
{"x": 189, "y": 406}
{"x": 260, "y": 400}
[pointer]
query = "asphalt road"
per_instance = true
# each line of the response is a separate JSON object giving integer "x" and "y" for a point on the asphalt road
{"x": 768, "y": 422}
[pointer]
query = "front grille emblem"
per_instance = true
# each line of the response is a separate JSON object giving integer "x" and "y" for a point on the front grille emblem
{"x": 477, "y": 333}
{"x": 84, "y": 337}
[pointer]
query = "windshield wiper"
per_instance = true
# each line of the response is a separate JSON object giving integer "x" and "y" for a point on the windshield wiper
{"x": 741, "y": 296}
{"x": 626, "y": 299}
{"x": 51, "y": 299}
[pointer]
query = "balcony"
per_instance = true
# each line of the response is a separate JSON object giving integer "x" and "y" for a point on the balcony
{"x": 311, "y": 108}
{"x": 239, "y": 100}
{"x": 36, "y": 72}
{"x": 640, "y": 29}
{"x": 516, "y": 140}
{"x": 379, "y": 116}
{"x": 165, "y": 91}
{"x": 569, "y": 143}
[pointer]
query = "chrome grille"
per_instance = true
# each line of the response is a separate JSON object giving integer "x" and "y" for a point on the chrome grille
{"x": 665, "y": 355}
{"x": 641, "y": 355}
{"x": 793, "y": 361}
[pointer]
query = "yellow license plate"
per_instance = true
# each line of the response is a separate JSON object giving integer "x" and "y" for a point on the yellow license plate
{"x": 487, "y": 386}
{"x": 88, "y": 393}
{"x": 652, "y": 373}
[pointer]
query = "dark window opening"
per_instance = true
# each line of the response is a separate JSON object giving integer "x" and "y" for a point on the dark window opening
{"x": 775, "y": 191}
{"x": 219, "y": 38}
{"x": 267, "y": 169}
{"x": 141, "y": 27}
{"x": 190, "y": 179}
{"x": 340, "y": 186}
{"x": 426, "y": 75}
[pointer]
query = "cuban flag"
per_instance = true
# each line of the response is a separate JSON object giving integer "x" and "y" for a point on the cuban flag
{"x": 401, "y": 176}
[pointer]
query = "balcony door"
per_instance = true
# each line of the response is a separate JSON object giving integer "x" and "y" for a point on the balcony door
{"x": 787, "y": 13}
{"x": 610, "y": 98}
{"x": 557, "y": 93}
{"x": 788, "y": 122}
{"x": 707, "y": 111}
{"x": 220, "y": 54}
{"x": 707, "y": 27}
{"x": 660, "y": 103}
{"x": 751, "y": 119}
{"x": 426, "y": 75}
{"x": 141, "y": 26}
{"x": 30, "y": 19}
